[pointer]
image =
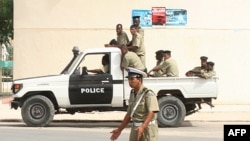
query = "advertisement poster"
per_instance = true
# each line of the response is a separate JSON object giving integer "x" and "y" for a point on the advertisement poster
{"x": 161, "y": 17}
{"x": 145, "y": 17}
{"x": 176, "y": 17}
{"x": 158, "y": 16}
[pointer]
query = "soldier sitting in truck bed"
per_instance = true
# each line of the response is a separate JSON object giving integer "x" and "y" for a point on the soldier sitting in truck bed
{"x": 198, "y": 69}
{"x": 208, "y": 73}
{"x": 160, "y": 59}
{"x": 130, "y": 59}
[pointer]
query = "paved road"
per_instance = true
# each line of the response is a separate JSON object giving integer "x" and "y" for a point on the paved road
{"x": 98, "y": 131}
{"x": 227, "y": 113}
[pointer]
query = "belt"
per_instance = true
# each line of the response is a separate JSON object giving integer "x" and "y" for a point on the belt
{"x": 137, "y": 124}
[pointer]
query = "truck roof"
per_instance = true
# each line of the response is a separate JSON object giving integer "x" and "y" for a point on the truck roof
{"x": 102, "y": 49}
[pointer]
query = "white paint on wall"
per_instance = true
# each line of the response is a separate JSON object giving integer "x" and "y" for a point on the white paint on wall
{"x": 46, "y": 31}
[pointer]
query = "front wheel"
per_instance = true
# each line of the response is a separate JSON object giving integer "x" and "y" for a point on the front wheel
{"x": 37, "y": 111}
{"x": 172, "y": 111}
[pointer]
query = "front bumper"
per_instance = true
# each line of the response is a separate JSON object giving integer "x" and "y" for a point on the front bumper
{"x": 14, "y": 104}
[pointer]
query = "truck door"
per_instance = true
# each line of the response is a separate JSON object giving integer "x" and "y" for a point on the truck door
{"x": 91, "y": 88}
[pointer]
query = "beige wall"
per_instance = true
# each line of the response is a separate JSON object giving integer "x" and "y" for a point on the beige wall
{"x": 47, "y": 30}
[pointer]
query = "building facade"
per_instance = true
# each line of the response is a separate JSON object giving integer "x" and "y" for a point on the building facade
{"x": 45, "y": 32}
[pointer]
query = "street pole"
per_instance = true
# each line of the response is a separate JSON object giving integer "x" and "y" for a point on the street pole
{"x": 1, "y": 74}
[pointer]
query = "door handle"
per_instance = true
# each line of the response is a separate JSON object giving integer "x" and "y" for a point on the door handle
{"x": 105, "y": 81}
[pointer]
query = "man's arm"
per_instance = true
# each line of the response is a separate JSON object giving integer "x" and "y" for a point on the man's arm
{"x": 116, "y": 133}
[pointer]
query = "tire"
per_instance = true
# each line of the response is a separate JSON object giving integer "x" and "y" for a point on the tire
{"x": 172, "y": 112}
{"x": 38, "y": 111}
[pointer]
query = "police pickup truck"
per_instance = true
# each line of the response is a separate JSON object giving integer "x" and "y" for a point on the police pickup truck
{"x": 77, "y": 90}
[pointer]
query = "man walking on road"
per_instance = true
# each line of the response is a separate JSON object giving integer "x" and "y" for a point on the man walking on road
{"x": 142, "y": 110}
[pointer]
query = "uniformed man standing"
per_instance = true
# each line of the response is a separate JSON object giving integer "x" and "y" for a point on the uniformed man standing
{"x": 136, "y": 22}
{"x": 142, "y": 110}
{"x": 121, "y": 39}
{"x": 137, "y": 44}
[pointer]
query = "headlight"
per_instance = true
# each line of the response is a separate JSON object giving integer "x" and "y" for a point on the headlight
{"x": 16, "y": 88}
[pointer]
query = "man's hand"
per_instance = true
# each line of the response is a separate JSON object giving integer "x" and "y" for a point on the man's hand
{"x": 107, "y": 45}
{"x": 140, "y": 131}
{"x": 115, "y": 134}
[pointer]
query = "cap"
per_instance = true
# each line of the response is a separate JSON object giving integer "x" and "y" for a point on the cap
{"x": 167, "y": 51}
{"x": 203, "y": 58}
{"x": 159, "y": 51}
{"x": 210, "y": 63}
{"x": 132, "y": 72}
{"x": 134, "y": 17}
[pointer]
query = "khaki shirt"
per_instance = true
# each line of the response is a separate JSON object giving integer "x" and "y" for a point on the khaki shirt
{"x": 141, "y": 32}
{"x": 170, "y": 68}
{"x": 198, "y": 69}
{"x": 137, "y": 40}
{"x": 130, "y": 59}
{"x": 105, "y": 69}
{"x": 148, "y": 103}
{"x": 158, "y": 73}
{"x": 208, "y": 74}
{"x": 122, "y": 39}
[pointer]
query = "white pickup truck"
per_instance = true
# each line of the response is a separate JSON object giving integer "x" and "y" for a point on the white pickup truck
{"x": 76, "y": 90}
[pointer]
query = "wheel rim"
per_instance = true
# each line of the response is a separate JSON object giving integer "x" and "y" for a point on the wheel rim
{"x": 170, "y": 112}
{"x": 37, "y": 111}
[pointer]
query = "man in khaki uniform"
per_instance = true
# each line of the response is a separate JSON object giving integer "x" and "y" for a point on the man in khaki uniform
{"x": 105, "y": 66}
{"x": 136, "y": 22}
{"x": 198, "y": 69}
{"x": 208, "y": 73}
{"x": 169, "y": 67}
{"x": 142, "y": 110}
{"x": 137, "y": 44}
{"x": 122, "y": 37}
{"x": 130, "y": 59}
{"x": 159, "y": 61}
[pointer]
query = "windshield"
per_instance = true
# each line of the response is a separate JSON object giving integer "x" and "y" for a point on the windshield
{"x": 71, "y": 64}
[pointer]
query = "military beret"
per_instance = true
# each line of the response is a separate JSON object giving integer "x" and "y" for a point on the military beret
{"x": 167, "y": 51}
{"x": 210, "y": 63}
{"x": 134, "y": 17}
{"x": 203, "y": 58}
{"x": 159, "y": 51}
{"x": 132, "y": 72}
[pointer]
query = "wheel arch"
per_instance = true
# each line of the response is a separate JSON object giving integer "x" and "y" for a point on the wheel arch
{"x": 49, "y": 94}
{"x": 173, "y": 92}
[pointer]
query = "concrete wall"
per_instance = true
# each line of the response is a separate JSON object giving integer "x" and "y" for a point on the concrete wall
{"x": 47, "y": 30}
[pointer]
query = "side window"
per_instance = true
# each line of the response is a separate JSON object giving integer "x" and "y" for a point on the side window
{"x": 95, "y": 64}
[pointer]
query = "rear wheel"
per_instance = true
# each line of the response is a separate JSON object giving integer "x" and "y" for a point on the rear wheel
{"x": 172, "y": 111}
{"x": 37, "y": 111}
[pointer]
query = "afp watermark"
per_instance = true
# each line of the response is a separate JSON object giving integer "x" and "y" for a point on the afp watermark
{"x": 237, "y": 132}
